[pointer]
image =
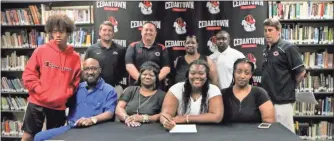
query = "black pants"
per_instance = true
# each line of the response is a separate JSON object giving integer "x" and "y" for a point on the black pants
{"x": 35, "y": 115}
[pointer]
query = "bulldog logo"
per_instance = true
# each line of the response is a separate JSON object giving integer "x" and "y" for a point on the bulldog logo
{"x": 212, "y": 44}
{"x": 114, "y": 23}
{"x": 252, "y": 58}
{"x": 180, "y": 26}
{"x": 146, "y": 7}
{"x": 213, "y": 7}
{"x": 249, "y": 23}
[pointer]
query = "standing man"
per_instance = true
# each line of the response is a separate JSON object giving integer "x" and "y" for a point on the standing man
{"x": 225, "y": 58}
{"x": 109, "y": 54}
{"x": 147, "y": 50}
{"x": 100, "y": 102}
{"x": 181, "y": 64}
{"x": 282, "y": 70}
{"x": 52, "y": 75}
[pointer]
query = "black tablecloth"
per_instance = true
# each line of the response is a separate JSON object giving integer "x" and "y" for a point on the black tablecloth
{"x": 115, "y": 131}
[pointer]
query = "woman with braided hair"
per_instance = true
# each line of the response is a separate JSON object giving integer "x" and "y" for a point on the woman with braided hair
{"x": 142, "y": 103}
{"x": 193, "y": 101}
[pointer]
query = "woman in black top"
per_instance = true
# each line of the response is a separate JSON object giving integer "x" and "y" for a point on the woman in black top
{"x": 142, "y": 104}
{"x": 244, "y": 102}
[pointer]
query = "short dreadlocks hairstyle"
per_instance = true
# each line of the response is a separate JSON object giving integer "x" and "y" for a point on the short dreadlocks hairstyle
{"x": 61, "y": 22}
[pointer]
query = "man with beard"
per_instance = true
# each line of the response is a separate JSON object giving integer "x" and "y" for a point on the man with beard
{"x": 225, "y": 58}
{"x": 109, "y": 54}
{"x": 94, "y": 102}
{"x": 181, "y": 64}
{"x": 147, "y": 50}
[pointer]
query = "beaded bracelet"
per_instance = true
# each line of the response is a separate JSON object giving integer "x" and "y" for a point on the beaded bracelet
{"x": 145, "y": 118}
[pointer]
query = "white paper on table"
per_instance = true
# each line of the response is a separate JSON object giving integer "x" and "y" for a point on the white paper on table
{"x": 307, "y": 97}
{"x": 184, "y": 128}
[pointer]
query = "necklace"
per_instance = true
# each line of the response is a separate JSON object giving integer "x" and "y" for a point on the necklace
{"x": 139, "y": 105}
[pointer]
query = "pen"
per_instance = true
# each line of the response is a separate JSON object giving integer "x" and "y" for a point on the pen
{"x": 166, "y": 118}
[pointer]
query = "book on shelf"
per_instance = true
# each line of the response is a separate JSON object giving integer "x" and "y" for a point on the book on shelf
{"x": 23, "y": 39}
{"x": 300, "y": 10}
{"x": 322, "y": 130}
{"x": 318, "y": 83}
{"x": 33, "y": 39}
{"x": 11, "y": 128}
{"x": 21, "y": 16}
{"x": 303, "y": 34}
{"x": 14, "y": 62}
{"x": 14, "y": 103}
{"x": 12, "y": 85}
{"x": 318, "y": 60}
{"x": 81, "y": 38}
{"x": 79, "y": 14}
{"x": 325, "y": 107}
{"x": 38, "y": 14}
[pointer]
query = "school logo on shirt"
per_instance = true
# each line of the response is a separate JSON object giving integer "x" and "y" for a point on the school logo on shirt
{"x": 275, "y": 53}
{"x": 51, "y": 65}
{"x": 180, "y": 26}
{"x": 114, "y": 23}
{"x": 110, "y": 5}
{"x": 212, "y": 44}
{"x": 213, "y": 7}
{"x": 146, "y": 7}
{"x": 140, "y": 51}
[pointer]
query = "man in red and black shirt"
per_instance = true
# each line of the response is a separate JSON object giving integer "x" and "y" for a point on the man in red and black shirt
{"x": 146, "y": 50}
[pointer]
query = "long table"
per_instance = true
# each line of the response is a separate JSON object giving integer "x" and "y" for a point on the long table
{"x": 115, "y": 131}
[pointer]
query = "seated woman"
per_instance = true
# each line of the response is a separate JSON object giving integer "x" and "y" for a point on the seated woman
{"x": 244, "y": 102}
{"x": 194, "y": 101}
{"x": 142, "y": 104}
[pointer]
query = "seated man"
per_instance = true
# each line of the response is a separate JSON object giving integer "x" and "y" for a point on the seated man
{"x": 94, "y": 102}
{"x": 142, "y": 104}
{"x": 194, "y": 101}
{"x": 244, "y": 102}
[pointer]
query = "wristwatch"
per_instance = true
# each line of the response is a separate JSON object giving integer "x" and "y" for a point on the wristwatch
{"x": 94, "y": 120}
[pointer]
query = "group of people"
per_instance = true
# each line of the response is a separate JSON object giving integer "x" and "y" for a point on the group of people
{"x": 206, "y": 89}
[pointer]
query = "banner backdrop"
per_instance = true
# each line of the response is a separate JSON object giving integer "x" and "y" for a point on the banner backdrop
{"x": 174, "y": 20}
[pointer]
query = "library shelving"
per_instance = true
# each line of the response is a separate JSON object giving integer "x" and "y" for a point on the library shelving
{"x": 310, "y": 26}
{"x": 22, "y": 30}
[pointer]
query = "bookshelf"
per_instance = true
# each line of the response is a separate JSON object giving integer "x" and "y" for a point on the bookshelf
{"x": 310, "y": 26}
{"x": 306, "y": 20}
{"x": 21, "y": 33}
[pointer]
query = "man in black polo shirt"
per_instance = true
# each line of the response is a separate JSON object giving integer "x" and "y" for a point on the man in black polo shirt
{"x": 109, "y": 54}
{"x": 181, "y": 64}
{"x": 146, "y": 50}
{"x": 282, "y": 70}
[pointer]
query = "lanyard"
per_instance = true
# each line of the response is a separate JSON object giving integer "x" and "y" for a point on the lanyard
{"x": 139, "y": 105}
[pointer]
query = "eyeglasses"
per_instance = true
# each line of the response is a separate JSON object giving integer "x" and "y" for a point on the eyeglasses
{"x": 90, "y": 69}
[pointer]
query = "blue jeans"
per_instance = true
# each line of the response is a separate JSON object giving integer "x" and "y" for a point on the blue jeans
{"x": 48, "y": 134}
